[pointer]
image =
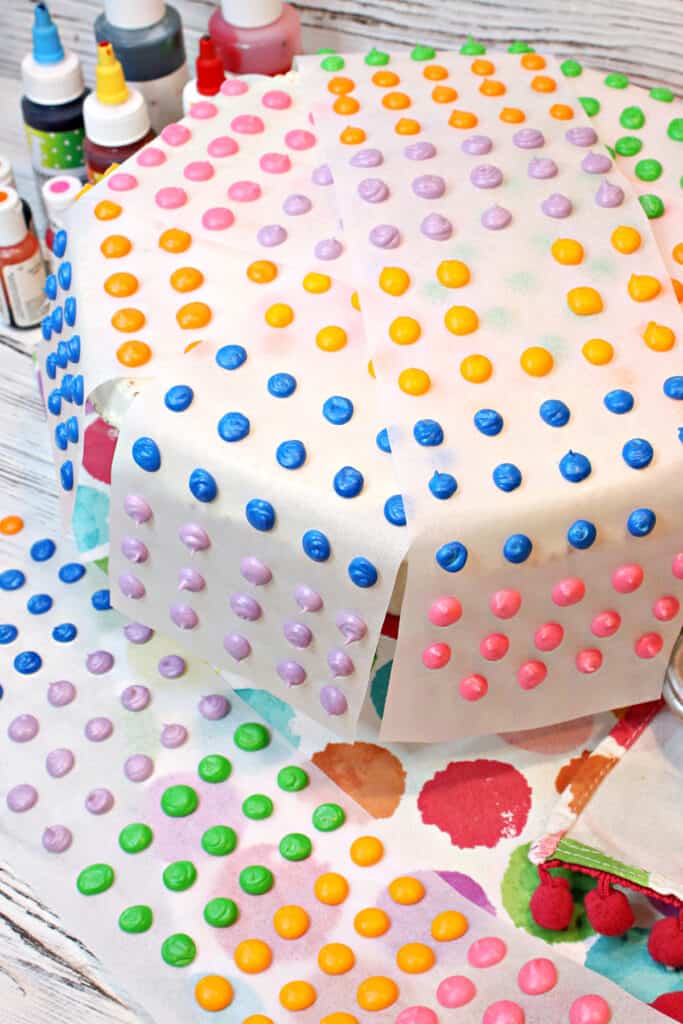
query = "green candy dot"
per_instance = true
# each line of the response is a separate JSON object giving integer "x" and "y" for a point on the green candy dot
{"x": 295, "y": 846}
{"x": 519, "y": 47}
{"x": 251, "y": 736}
{"x": 420, "y": 52}
{"x": 652, "y": 205}
{"x": 675, "y": 129}
{"x": 214, "y": 768}
{"x": 220, "y": 912}
{"x": 632, "y": 118}
{"x": 135, "y": 838}
{"x": 377, "y": 58}
{"x": 179, "y": 801}
{"x": 628, "y": 145}
{"x": 292, "y": 778}
{"x": 95, "y": 879}
{"x": 661, "y": 93}
{"x": 180, "y": 875}
{"x": 590, "y": 105}
{"x": 328, "y": 817}
{"x": 179, "y": 950}
{"x": 648, "y": 170}
{"x": 616, "y": 80}
{"x": 472, "y": 48}
{"x": 256, "y": 880}
{"x": 219, "y": 840}
{"x": 332, "y": 63}
{"x": 257, "y": 806}
{"x": 136, "y": 920}
{"x": 571, "y": 68}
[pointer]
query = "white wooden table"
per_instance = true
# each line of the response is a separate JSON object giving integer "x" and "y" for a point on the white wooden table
{"x": 46, "y": 975}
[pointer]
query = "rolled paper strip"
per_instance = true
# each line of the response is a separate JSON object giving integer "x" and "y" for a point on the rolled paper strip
{"x": 531, "y": 674}
{"x": 340, "y": 663}
{"x": 194, "y": 537}
{"x": 596, "y": 163}
{"x": 373, "y": 190}
{"x": 477, "y": 145}
{"x": 172, "y": 666}
{"x": 322, "y": 175}
{"x": 367, "y": 158}
{"x": 214, "y": 707}
{"x": 134, "y": 550}
{"x": 333, "y": 701}
{"x": 419, "y": 151}
{"x": 23, "y": 728}
{"x": 22, "y": 798}
{"x": 137, "y": 632}
{"x": 528, "y": 138}
{"x": 609, "y": 195}
{"x": 99, "y": 662}
{"x": 328, "y": 249}
{"x": 237, "y": 645}
{"x": 351, "y": 626}
{"x": 297, "y": 634}
{"x": 291, "y": 673}
{"x": 61, "y": 693}
{"x": 309, "y": 600}
{"x": 57, "y": 838}
{"x": 589, "y": 660}
{"x": 99, "y": 801}
{"x": 131, "y": 586}
{"x": 138, "y": 767}
{"x": 436, "y": 227}
{"x": 581, "y": 135}
{"x": 136, "y": 697}
{"x": 385, "y": 236}
{"x": 486, "y": 176}
{"x": 245, "y": 607}
{"x": 98, "y": 729}
{"x": 137, "y": 508}
{"x": 191, "y": 579}
{"x": 59, "y": 762}
{"x": 542, "y": 167}
{"x": 173, "y": 736}
{"x": 557, "y": 205}
{"x": 496, "y": 218}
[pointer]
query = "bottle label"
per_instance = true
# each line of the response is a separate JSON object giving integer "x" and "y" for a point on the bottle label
{"x": 164, "y": 97}
{"x": 56, "y": 152}
{"x": 24, "y": 303}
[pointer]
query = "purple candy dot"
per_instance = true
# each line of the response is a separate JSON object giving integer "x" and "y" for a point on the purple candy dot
{"x": 137, "y": 632}
{"x": 496, "y": 218}
{"x": 436, "y": 227}
{"x": 59, "y": 762}
{"x": 385, "y": 236}
{"x": 328, "y": 249}
{"x": 340, "y": 663}
{"x": 131, "y": 586}
{"x": 581, "y": 135}
{"x": 486, "y": 176}
{"x": 134, "y": 550}
{"x": 542, "y": 167}
{"x": 214, "y": 706}
{"x": 334, "y": 702}
{"x": 596, "y": 163}
{"x": 22, "y": 798}
{"x": 135, "y": 698}
{"x": 173, "y": 735}
{"x": 298, "y": 634}
{"x": 190, "y": 579}
{"x": 419, "y": 151}
{"x": 296, "y": 205}
{"x": 291, "y": 672}
{"x": 271, "y": 235}
{"x": 57, "y": 839}
{"x": 429, "y": 186}
{"x": 351, "y": 626}
{"x": 309, "y": 600}
{"x": 99, "y": 662}
{"x": 255, "y": 571}
{"x": 609, "y": 195}
{"x": 245, "y": 607}
{"x": 138, "y": 767}
{"x": 23, "y": 728}
{"x": 172, "y": 666}
{"x": 99, "y": 801}
{"x": 237, "y": 645}
{"x": 557, "y": 205}
{"x": 137, "y": 508}
{"x": 373, "y": 190}
{"x": 528, "y": 138}
{"x": 194, "y": 537}
{"x": 477, "y": 145}
{"x": 322, "y": 175}
{"x": 367, "y": 158}
{"x": 99, "y": 729}
{"x": 183, "y": 616}
{"x": 60, "y": 693}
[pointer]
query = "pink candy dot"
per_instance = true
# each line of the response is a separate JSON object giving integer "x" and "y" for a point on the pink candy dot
{"x": 486, "y": 952}
{"x": 247, "y": 124}
{"x": 171, "y": 198}
{"x": 234, "y": 87}
{"x": 176, "y": 134}
{"x": 275, "y": 163}
{"x": 504, "y": 1012}
{"x": 505, "y": 603}
{"x": 473, "y": 687}
{"x": 537, "y": 976}
{"x": 589, "y": 660}
{"x": 417, "y": 1015}
{"x": 199, "y": 170}
{"x": 455, "y": 991}
{"x": 677, "y": 566}
{"x": 549, "y": 636}
{"x": 222, "y": 145}
{"x": 627, "y": 578}
{"x": 590, "y": 1010}
{"x": 244, "y": 191}
{"x": 494, "y": 646}
{"x": 217, "y": 218}
{"x": 122, "y": 182}
{"x": 203, "y": 110}
{"x": 569, "y": 591}
{"x": 299, "y": 138}
{"x": 276, "y": 99}
{"x": 649, "y": 645}
{"x": 436, "y": 655}
{"x": 531, "y": 674}
{"x": 605, "y": 624}
{"x": 150, "y": 157}
{"x": 445, "y": 611}
{"x": 666, "y": 608}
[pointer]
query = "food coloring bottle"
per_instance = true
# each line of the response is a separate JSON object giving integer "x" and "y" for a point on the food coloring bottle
{"x": 210, "y": 75}
{"x": 7, "y": 181}
{"x": 147, "y": 36}
{"x": 116, "y": 118}
{"x": 52, "y": 104}
{"x": 256, "y": 37}
{"x": 58, "y": 195}
{"x": 22, "y": 272}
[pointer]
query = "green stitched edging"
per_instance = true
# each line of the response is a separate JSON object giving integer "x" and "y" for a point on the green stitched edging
{"x": 577, "y": 853}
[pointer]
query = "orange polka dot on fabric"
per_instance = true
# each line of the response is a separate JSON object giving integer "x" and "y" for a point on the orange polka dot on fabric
{"x": 186, "y": 279}
{"x": 133, "y": 354}
{"x": 113, "y": 247}
{"x": 512, "y": 115}
{"x": 193, "y": 316}
{"x": 107, "y": 210}
{"x": 175, "y": 240}
{"x": 121, "y": 285}
{"x": 128, "y": 320}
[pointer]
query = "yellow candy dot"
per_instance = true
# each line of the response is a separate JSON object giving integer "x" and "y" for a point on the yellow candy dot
{"x": 394, "y": 280}
{"x": 453, "y": 273}
{"x": 291, "y": 922}
{"x": 435, "y": 73}
{"x": 658, "y": 337}
{"x": 297, "y": 995}
{"x": 476, "y": 369}
{"x": 415, "y": 958}
{"x": 490, "y": 87}
{"x": 407, "y": 126}
{"x": 192, "y": 345}
{"x": 346, "y": 105}
{"x": 352, "y": 136}
{"x": 677, "y": 252}
{"x": 213, "y": 992}
{"x": 536, "y": 361}
{"x": 175, "y": 240}
{"x": 340, "y": 86}
{"x": 258, "y": 1018}
{"x": 193, "y": 316}
{"x": 262, "y": 271}
{"x": 482, "y": 67}
{"x": 404, "y": 330}
{"x": 626, "y": 240}
{"x": 121, "y": 285}
{"x": 512, "y": 115}
{"x": 461, "y": 320}
{"x": 339, "y": 1018}
{"x": 371, "y": 922}
{"x": 598, "y": 351}
{"x": 336, "y": 958}
{"x": 567, "y": 251}
{"x": 449, "y": 925}
{"x": 444, "y": 94}
{"x": 331, "y": 888}
{"x": 279, "y": 315}
{"x": 186, "y": 279}
{"x": 355, "y": 301}
{"x": 463, "y": 119}
{"x": 253, "y": 956}
{"x": 385, "y": 79}
{"x": 11, "y": 525}
{"x": 133, "y": 353}
{"x": 584, "y": 301}
{"x": 406, "y": 890}
{"x": 128, "y": 320}
{"x": 331, "y": 339}
{"x": 366, "y": 851}
{"x": 113, "y": 247}
{"x": 642, "y": 287}
{"x": 316, "y": 284}
{"x": 414, "y": 382}
{"x": 377, "y": 993}
{"x": 371, "y": 368}
{"x": 561, "y": 112}
{"x": 106, "y": 210}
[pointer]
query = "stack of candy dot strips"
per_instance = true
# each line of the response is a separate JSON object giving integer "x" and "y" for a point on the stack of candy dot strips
{"x": 210, "y": 871}
{"x": 528, "y": 409}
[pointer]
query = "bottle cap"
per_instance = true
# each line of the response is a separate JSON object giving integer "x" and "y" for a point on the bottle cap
{"x": 60, "y": 192}
{"x": 110, "y": 85}
{"x": 6, "y": 173}
{"x": 132, "y": 14}
{"x": 251, "y": 13}
{"x": 50, "y": 75}
{"x": 12, "y": 223}
{"x": 115, "y": 114}
{"x": 47, "y": 46}
{"x": 210, "y": 72}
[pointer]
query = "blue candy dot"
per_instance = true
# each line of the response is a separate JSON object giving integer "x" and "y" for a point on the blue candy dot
{"x": 66, "y": 475}
{"x": 51, "y": 287}
{"x": 581, "y": 534}
{"x": 179, "y": 397}
{"x": 673, "y": 388}
{"x": 72, "y": 572}
{"x": 74, "y": 348}
{"x": 517, "y": 548}
{"x": 62, "y": 355}
{"x": 8, "y": 633}
{"x": 291, "y": 454}
{"x": 382, "y": 440}
{"x": 641, "y": 522}
{"x": 507, "y": 476}
{"x": 452, "y": 556}
{"x": 231, "y": 357}
{"x": 28, "y": 662}
{"x": 12, "y": 579}
{"x": 51, "y": 365}
{"x": 61, "y": 437}
{"x": 72, "y": 429}
{"x": 78, "y": 389}
{"x": 338, "y": 410}
{"x": 316, "y": 545}
{"x": 443, "y": 485}
{"x": 554, "y": 412}
{"x": 234, "y": 426}
{"x": 488, "y": 421}
{"x": 59, "y": 243}
{"x": 57, "y": 319}
{"x": 394, "y": 510}
{"x": 428, "y": 433}
{"x": 64, "y": 633}
{"x": 281, "y": 385}
{"x": 575, "y": 467}
{"x": 618, "y": 401}
{"x": 54, "y": 401}
{"x": 260, "y": 514}
{"x": 146, "y": 454}
{"x": 637, "y": 453}
{"x": 67, "y": 387}
{"x": 43, "y": 549}
{"x": 348, "y": 482}
{"x": 64, "y": 274}
{"x": 101, "y": 600}
{"x": 38, "y": 604}
{"x": 362, "y": 572}
{"x": 46, "y": 328}
{"x": 202, "y": 485}
{"x": 70, "y": 310}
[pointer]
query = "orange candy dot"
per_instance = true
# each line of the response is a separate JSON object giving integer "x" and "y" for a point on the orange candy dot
{"x": 371, "y": 368}
{"x": 643, "y": 287}
{"x": 543, "y": 83}
{"x": 536, "y": 361}
{"x": 385, "y": 79}
{"x": 532, "y": 61}
{"x": 186, "y": 279}
{"x": 444, "y": 94}
{"x": 396, "y": 101}
{"x": 404, "y": 330}
{"x": 658, "y": 337}
{"x": 449, "y": 925}
{"x": 340, "y": 86}
{"x": 414, "y": 381}
{"x": 346, "y": 105}
{"x": 567, "y": 251}
{"x": 371, "y": 922}
{"x": 453, "y": 273}
{"x": 394, "y": 280}
{"x": 297, "y": 995}
{"x": 584, "y": 301}
{"x": 678, "y": 289}
{"x": 406, "y": 890}
{"x": 336, "y": 958}
{"x": 490, "y": 87}
{"x": 258, "y": 1018}
{"x": 366, "y": 851}
{"x": 677, "y": 253}
{"x": 291, "y": 922}
{"x": 435, "y": 73}
{"x": 407, "y": 126}
{"x": 355, "y": 301}
{"x": 598, "y": 352}
{"x": 561, "y": 112}
{"x": 213, "y": 993}
{"x": 10, "y": 525}
{"x": 415, "y": 958}
{"x": 191, "y": 346}
{"x": 128, "y": 320}
{"x": 279, "y": 315}
{"x": 253, "y": 956}
{"x": 461, "y": 320}
{"x": 175, "y": 240}
{"x": 352, "y": 136}
{"x": 463, "y": 119}
{"x": 193, "y": 316}
{"x": 331, "y": 889}
{"x": 626, "y": 240}
{"x": 113, "y": 247}
{"x": 340, "y": 1018}
{"x": 106, "y": 210}
{"x": 377, "y": 993}
{"x": 512, "y": 115}
{"x": 121, "y": 285}
{"x": 316, "y": 284}
{"x": 482, "y": 67}
{"x": 476, "y": 369}
{"x": 262, "y": 271}
{"x": 133, "y": 353}
{"x": 331, "y": 338}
